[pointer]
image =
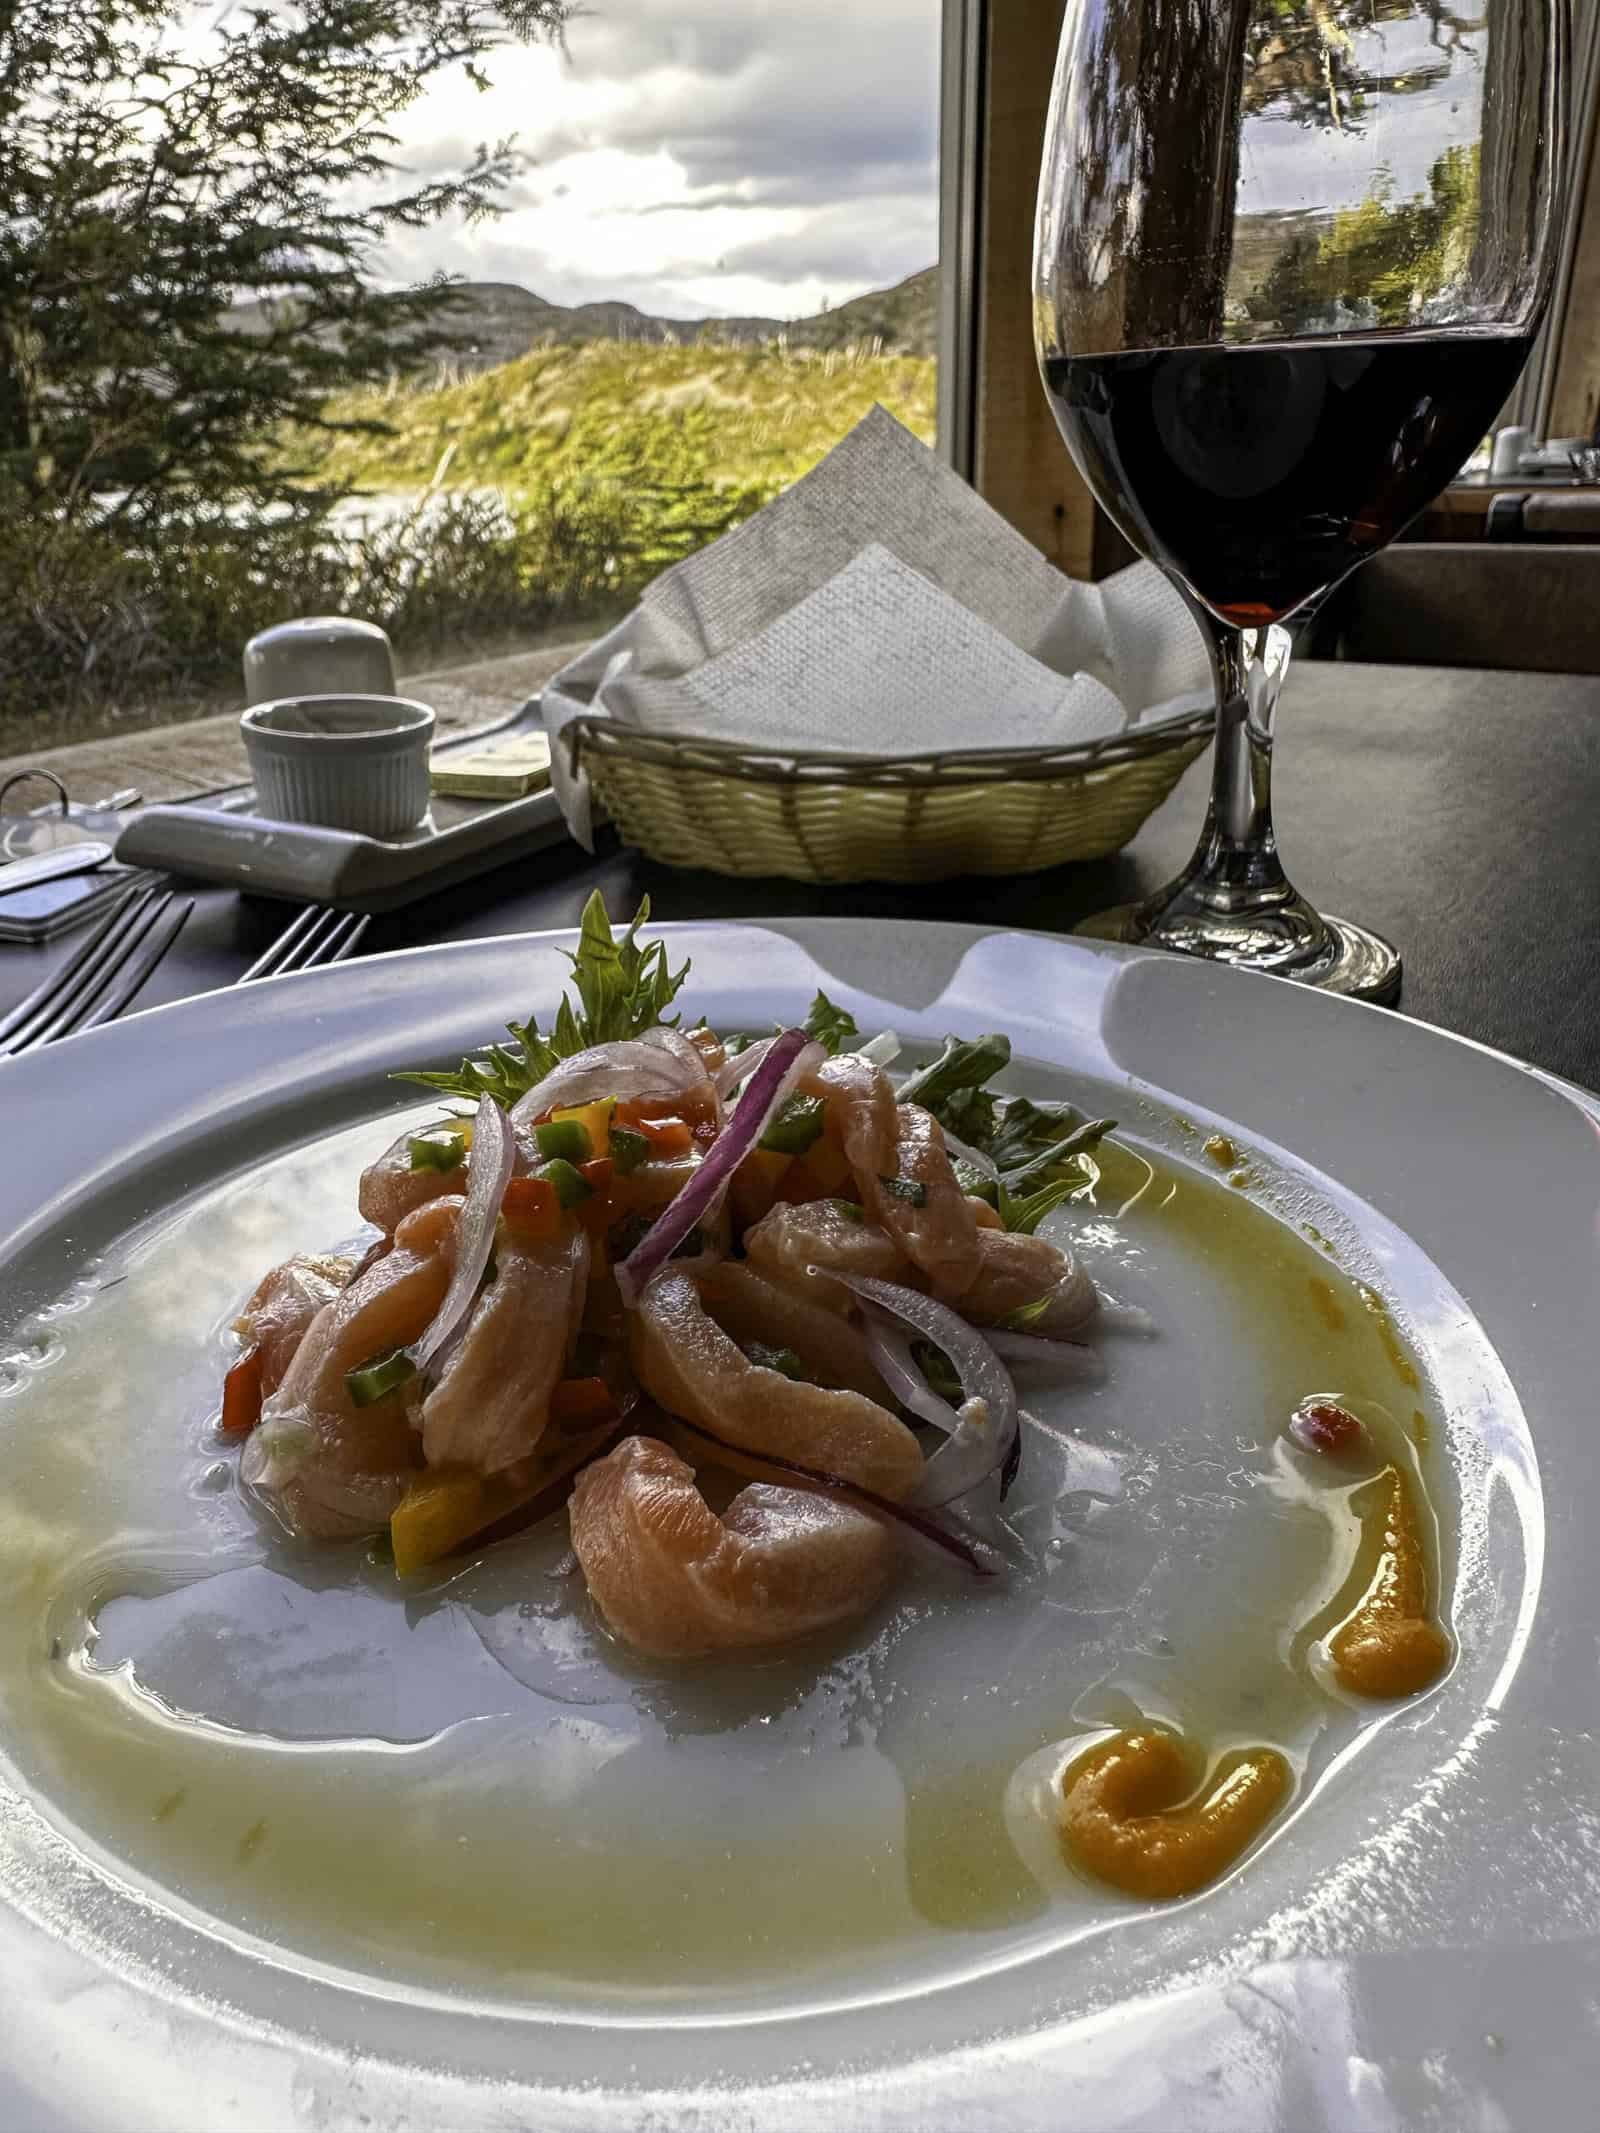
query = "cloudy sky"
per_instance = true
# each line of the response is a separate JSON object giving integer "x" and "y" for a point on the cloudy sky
{"x": 702, "y": 157}
{"x": 715, "y": 157}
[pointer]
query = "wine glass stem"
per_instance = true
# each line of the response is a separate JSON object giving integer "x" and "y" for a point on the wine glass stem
{"x": 1238, "y": 849}
{"x": 1233, "y": 903}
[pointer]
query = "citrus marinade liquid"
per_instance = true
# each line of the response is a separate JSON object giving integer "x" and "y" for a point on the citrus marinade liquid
{"x": 465, "y": 1784}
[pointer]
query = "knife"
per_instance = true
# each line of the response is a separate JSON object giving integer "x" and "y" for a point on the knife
{"x": 47, "y": 866}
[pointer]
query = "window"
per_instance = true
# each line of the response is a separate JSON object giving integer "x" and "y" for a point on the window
{"x": 695, "y": 244}
{"x": 690, "y": 243}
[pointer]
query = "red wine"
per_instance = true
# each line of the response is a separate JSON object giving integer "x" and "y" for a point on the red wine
{"x": 1261, "y": 474}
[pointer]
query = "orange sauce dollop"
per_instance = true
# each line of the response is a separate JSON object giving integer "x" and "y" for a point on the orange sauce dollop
{"x": 1390, "y": 1645}
{"x": 1140, "y": 1813}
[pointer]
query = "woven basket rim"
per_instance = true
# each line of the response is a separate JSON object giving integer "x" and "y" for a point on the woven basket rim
{"x": 973, "y": 766}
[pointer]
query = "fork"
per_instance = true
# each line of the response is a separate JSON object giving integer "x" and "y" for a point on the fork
{"x": 97, "y": 983}
{"x": 318, "y": 935}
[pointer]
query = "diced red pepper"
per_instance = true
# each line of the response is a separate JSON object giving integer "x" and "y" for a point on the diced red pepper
{"x": 828, "y": 1164}
{"x": 532, "y": 1206}
{"x": 800, "y": 1182}
{"x": 582, "y": 1402}
{"x": 599, "y": 1211}
{"x": 667, "y": 1136}
{"x": 1324, "y": 1426}
{"x": 756, "y": 1183}
{"x": 241, "y": 1394}
{"x": 529, "y": 1196}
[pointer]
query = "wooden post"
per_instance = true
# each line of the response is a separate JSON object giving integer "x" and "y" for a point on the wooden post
{"x": 1575, "y": 400}
{"x": 1021, "y": 465}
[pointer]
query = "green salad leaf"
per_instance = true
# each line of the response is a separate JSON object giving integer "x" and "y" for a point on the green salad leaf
{"x": 623, "y": 988}
{"x": 965, "y": 1063}
{"x": 939, "y": 1371}
{"x": 1037, "y": 1148}
{"x": 1026, "y": 1316}
{"x": 784, "y": 1360}
{"x": 833, "y": 1027}
{"x": 972, "y": 1115}
{"x": 1081, "y": 1140}
{"x": 1026, "y": 1133}
{"x": 1024, "y": 1215}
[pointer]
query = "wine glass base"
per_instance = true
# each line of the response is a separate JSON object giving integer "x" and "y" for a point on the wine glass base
{"x": 1349, "y": 960}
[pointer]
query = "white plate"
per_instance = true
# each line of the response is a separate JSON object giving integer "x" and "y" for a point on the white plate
{"x": 1417, "y": 1949}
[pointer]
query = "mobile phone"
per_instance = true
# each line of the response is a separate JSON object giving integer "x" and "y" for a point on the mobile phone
{"x": 47, "y": 908}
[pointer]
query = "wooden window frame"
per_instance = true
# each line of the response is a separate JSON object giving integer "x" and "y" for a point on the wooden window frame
{"x": 1559, "y": 393}
{"x": 995, "y": 426}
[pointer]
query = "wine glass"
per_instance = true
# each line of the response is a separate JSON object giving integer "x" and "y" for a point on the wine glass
{"x": 1289, "y": 260}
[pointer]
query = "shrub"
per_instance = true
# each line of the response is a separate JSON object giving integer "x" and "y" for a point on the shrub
{"x": 96, "y": 632}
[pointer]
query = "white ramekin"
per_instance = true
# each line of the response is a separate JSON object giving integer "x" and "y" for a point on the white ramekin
{"x": 346, "y": 762}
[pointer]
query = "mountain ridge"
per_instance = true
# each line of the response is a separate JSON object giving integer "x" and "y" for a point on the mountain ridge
{"x": 494, "y": 322}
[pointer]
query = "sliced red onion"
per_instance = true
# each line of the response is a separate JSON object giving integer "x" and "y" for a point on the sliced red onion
{"x": 698, "y": 1077}
{"x": 976, "y": 1447}
{"x": 896, "y": 1365}
{"x": 955, "y": 1146}
{"x": 677, "y": 1046}
{"x": 983, "y": 1378}
{"x": 792, "y": 1055}
{"x": 742, "y": 1065}
{"x": 1011, "y": 1464}
{"x": 865, "y": 1499}
{"x": 883, "y": 1050}
{"x": 716, "y": 1238}
{"x": 628, "y": 1068}
{"x": 494, "y": 1150}
{"x": 1032, "y": 1348}
{"x": 1124, "y": 1317}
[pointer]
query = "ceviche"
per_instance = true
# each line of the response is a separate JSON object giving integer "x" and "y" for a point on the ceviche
{"x": 647, "y": 1249}
{"x": 748, "y": 1310}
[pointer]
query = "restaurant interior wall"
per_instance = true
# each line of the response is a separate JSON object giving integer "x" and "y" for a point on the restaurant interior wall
{"x": 994, "y": 424}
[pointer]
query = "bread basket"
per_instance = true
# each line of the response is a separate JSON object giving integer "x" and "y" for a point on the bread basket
{"x": 732, "y": 809}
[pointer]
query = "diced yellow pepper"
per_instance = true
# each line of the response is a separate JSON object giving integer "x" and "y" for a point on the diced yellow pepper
{"x": 437, "y": 1513}
{"x": 827, "y": 1164}
{"x": 442, "y": 1510}
{"x": 595, "y": 1120}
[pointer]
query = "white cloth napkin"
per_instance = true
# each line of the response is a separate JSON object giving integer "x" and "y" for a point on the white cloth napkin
{"x": 881, "y": 607}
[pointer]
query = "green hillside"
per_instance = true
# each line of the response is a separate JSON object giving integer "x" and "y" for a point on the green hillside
{"x": 743, "y": 419}
{"x": 574, "y": 474}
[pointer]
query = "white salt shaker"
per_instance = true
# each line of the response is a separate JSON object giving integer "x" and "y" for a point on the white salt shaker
{"x": 318, "y": 655}
{"x": 1510, "y": 444}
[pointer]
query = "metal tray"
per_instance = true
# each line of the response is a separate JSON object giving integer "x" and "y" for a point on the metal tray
{"x": 227, "y": 841}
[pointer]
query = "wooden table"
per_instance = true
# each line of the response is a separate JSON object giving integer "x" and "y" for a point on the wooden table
{"x": 1457, "y": 811}
{"x": 206, "y": 755}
